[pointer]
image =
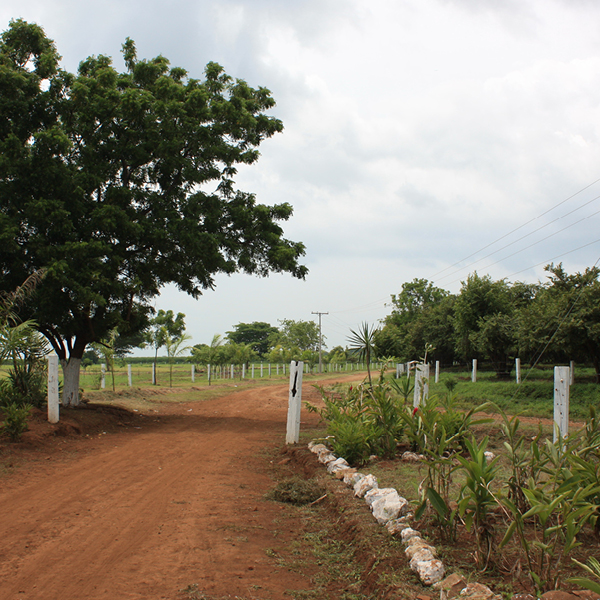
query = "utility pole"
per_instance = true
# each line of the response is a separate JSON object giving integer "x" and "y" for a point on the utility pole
{"x": 320, "y": 337}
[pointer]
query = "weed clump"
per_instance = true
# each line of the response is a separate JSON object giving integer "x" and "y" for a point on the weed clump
{"x": 296, "y": 491}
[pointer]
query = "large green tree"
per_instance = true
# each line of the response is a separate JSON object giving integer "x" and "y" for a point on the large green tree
{"x": 119, "y": 183}
{"x": 297, "y": 337}
{"x": 563, "y": 323}
{"x": 421, "y": 315}
{"x": 257, "y": 334}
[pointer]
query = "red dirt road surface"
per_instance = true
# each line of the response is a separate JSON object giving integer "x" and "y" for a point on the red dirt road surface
{"x": 167, "y": 500}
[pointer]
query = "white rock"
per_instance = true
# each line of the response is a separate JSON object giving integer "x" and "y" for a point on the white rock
{"x": 377, "y": 493}
{"x": 327, "y": 457}
{"x": 489, "y": 456}
{"x": 352, "y": 479}
{"x": 388, "y": 507}
{"x": 419, "y": 544}
{"x": 478, "y": 591}
{"x": 396, "y": 526}
{"x": 368, "y": 482}
{"x": 318, "y": 448}
{"x": 409, "y": 533}
{"x": 429, "y": 571}
{"x": 411, "y": 457}
{"x": 423, "y": 554}
{"x": 337, "y": 465}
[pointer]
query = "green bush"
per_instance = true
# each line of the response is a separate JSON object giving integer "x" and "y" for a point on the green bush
{"x": 15, "y": 421}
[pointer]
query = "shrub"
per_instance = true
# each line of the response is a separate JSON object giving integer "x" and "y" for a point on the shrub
{"x": 15, "y": 421}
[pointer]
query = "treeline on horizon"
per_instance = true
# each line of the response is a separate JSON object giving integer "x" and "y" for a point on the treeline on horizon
{"x": 492, "y": 321}
{"x": 497, "y": 321}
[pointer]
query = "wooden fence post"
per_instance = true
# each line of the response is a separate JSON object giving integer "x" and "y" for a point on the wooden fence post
{"x": 53, "y": 405}
{"x": 561, "y": 402}
{"x": 294, "y": 403}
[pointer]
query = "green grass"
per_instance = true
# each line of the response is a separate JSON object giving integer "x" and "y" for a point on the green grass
{"x": 532, "y": 398}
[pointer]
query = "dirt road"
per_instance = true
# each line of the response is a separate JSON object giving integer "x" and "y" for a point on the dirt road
{"x": 168, "y": 500}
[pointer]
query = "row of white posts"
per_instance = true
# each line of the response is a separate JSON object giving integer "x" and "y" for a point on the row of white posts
{"x": 563, "y": 379}
{"x": 220, "y": 372}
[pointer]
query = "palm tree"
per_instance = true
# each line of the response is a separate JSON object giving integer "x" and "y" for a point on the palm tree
{"x": 363, "y": 343}
{"x": 174, "y": 349}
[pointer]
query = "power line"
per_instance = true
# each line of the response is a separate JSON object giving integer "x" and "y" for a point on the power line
{"x": 514, "y": 230}
{"x": 534, "y": 243}
{"x": 526, "y": 236}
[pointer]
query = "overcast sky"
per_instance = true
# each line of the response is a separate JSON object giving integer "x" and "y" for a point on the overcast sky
{"x": 423, "y": 138}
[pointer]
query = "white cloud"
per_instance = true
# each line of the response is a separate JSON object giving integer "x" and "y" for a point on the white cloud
{"x": 416, "y": 133}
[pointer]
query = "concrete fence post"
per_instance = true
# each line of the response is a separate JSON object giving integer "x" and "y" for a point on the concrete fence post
{"x": 53, "y": 404}
{"x": 562, "y": 378}
{"x": 294, "y": 403}
{"x": 421, "y": 384}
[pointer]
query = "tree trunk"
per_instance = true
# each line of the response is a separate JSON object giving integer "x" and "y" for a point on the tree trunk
{"x": 71, "y": 381}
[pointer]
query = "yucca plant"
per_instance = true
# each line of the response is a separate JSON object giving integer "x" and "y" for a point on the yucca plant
{"x": 362, "y": 342}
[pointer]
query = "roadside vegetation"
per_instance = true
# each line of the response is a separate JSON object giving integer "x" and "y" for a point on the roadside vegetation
{"x": 504, "y": 502}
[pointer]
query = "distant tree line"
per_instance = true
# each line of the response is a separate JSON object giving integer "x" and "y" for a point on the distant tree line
{"x": 497, "y": 321}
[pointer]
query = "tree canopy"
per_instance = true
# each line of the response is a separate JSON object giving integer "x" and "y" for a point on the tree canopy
{"x": 497, "y": 321}
{"x": 256, "y": 334}
{"x": 119, "y": 183}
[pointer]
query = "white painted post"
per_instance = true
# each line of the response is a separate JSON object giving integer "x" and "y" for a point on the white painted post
{"x": 129, "y": 378}
{"x": 53, "y": 405}
{"x": 294, "y": 403}
{"x": 572, "y": 372}
{"x": 561, "y": 402}
{"x": 193, "y": 373}
{"x": 437, "y": 371}
{"x": 518, "y": 370}
{"x": 153, "y": 374}
{"x": 261, "y": 369}
{"x": 277, "y": 368}
{"x": 252, "y": 370}
{"x": 232, "y": 372}
{"x": 474, "y": 371}
{"x": 102, "y": 375}
{"x": 421, "y": 384}
{"x": 208, "y": 372}
{"x": 244, "y": 371}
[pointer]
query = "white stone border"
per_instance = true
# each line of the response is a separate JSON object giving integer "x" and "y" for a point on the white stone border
{"x": 390, "y": 509}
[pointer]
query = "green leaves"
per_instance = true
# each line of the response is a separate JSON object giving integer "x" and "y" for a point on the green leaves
{"x": 119, "y": 183}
